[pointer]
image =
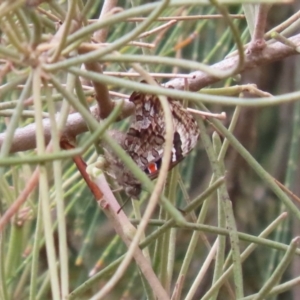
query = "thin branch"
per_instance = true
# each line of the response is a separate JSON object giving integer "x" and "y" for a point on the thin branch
{"x": 125, "y": 231}
{"x": 186, "y": 18}
{"x": 221, "y": 116}
{"x": 108, "y": 6}
{"x": 87, "y": 47}
{"x": 24, "y": 138}
{"x": 105, "y": 104}
{"x": 157, "y": 29}
{"x": 269, "y": 54}
{"x": 154, "y": 75}
{"x": 258, "y": 41}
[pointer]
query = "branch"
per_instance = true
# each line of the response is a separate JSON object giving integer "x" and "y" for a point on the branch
{"x": 105, "y": 104}
{"x": 24, "y": 138}
{"x": 101, "y": 92}
{"x": 258, "y": 41}
{"x": 127, "y": 232}
{"x": 107, "y": 8}
{"x": 271, "y": 53}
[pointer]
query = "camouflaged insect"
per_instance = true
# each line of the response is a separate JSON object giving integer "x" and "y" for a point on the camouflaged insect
{"x": 144, "y": 141}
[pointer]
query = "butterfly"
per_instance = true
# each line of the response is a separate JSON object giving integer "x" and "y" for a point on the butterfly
{"x": 145, "y": 138}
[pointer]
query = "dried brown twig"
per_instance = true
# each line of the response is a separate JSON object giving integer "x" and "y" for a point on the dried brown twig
{"x": 258, "y": 41}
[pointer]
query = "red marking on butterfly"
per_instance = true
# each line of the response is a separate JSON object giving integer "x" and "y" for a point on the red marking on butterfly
{"x": 144, "y": 141}
{"x": 152, "y": 168}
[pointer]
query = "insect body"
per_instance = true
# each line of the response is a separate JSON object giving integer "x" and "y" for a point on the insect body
{"x": 144, "y": 141}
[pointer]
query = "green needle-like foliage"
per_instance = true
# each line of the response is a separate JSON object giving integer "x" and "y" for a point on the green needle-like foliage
{"x": 225, "y": 224}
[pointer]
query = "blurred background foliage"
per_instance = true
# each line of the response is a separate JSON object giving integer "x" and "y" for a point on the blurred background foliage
{"x": 92, "y": 242}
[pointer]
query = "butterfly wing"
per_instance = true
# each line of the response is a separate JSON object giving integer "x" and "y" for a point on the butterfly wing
{"x": 144, "y": 140}
{"x": 145, "y": 137}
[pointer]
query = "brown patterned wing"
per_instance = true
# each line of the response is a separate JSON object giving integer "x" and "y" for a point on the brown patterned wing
{"x": 144, "y": 140}
{"x": 145, "y": 137}
{"x": 116, "y": 168}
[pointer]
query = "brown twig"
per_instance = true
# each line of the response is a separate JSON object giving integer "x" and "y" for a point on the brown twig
{"x": 157, "y": 29}
{"x": 182, "y": 18}
{"x": 258, "y": 41}
{"x": 154, "y": 75}
{"x": 24, "y": 138}
{"x": 105, "y": 104}
{"x": 125, "y": 231}
{"x": 221, "y": 116}
{"x": 87, "y": 47}
{"x": 289, "y": 192}
{"x": 81, "y": 166}
{"x": 107, "y": 7}
{"x": 271, "y": 53}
